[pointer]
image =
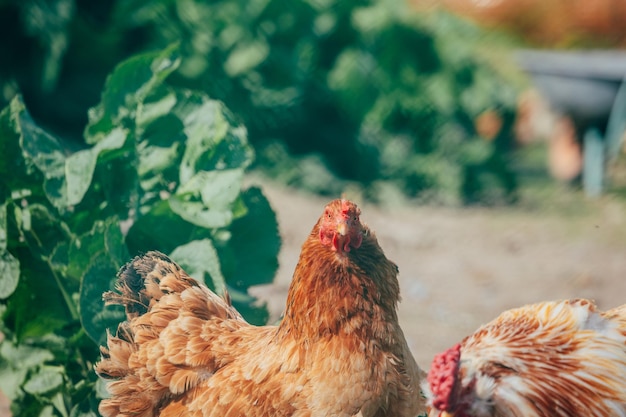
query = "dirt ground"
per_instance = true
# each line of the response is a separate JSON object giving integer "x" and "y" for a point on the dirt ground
{"x": 460, "y": 268}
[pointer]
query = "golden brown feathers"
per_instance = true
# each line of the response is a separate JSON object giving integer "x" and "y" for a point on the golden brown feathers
{"x": 339, "y": 350}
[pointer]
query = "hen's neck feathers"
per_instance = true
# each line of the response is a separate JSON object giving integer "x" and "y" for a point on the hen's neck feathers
{"x": 351, "y": 293}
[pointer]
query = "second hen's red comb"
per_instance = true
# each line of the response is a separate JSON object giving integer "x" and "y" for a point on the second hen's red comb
{"x": 442, "y": 377}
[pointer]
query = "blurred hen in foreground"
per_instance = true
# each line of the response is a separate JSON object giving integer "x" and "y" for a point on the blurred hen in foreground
{"x": 339, "y": 350}
{"x": 549, "y": 359}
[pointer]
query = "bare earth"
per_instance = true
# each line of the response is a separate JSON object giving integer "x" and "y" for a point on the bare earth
{"x": 460, "y": 268}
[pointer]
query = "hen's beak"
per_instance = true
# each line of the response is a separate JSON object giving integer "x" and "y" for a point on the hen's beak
{"x": 446, "y": 414}
{"x": 347, "y": 235}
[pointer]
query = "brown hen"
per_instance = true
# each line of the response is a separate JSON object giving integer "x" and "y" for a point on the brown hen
{"x": 339, "y": 350}
{"x": 559, "y": 359}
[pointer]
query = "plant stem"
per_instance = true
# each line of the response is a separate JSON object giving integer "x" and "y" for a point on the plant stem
{"x": 71, "y": 306}
{"x": 66, "y": 296}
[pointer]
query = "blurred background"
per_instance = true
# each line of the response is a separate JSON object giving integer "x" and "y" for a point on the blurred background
{"x": 432, "y": 101}
{"x": 484, "y": 138}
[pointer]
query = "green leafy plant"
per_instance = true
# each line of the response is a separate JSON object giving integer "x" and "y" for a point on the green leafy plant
{"x": 163, "y": 170}
{"x": 335, "y": 94}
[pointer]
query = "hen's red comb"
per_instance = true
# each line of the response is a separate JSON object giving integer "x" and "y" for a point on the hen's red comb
{"x": 347, "y": 206}
{"x": 442, "y": 377}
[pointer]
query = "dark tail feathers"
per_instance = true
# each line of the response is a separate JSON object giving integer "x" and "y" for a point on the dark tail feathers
{"x": 144, "y": 280}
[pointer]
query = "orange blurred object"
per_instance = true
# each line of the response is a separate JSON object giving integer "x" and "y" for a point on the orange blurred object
{"x": 549, "y": 23}
{"x": 488, "y": 124}
{"x": 565, "y": 158}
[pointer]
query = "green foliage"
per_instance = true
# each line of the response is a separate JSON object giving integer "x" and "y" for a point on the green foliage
{"x": 332, "y": 92}
{"x": 386, "y": 96}
{"x": 163, "y": 170}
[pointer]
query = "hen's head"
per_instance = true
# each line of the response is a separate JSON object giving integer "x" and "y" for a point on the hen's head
{"x": 443, "y": 381}
{"x": 340, "y": 226}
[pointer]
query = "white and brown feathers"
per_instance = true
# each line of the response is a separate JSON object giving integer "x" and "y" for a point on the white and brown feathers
{"x": 562, "y": 358}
